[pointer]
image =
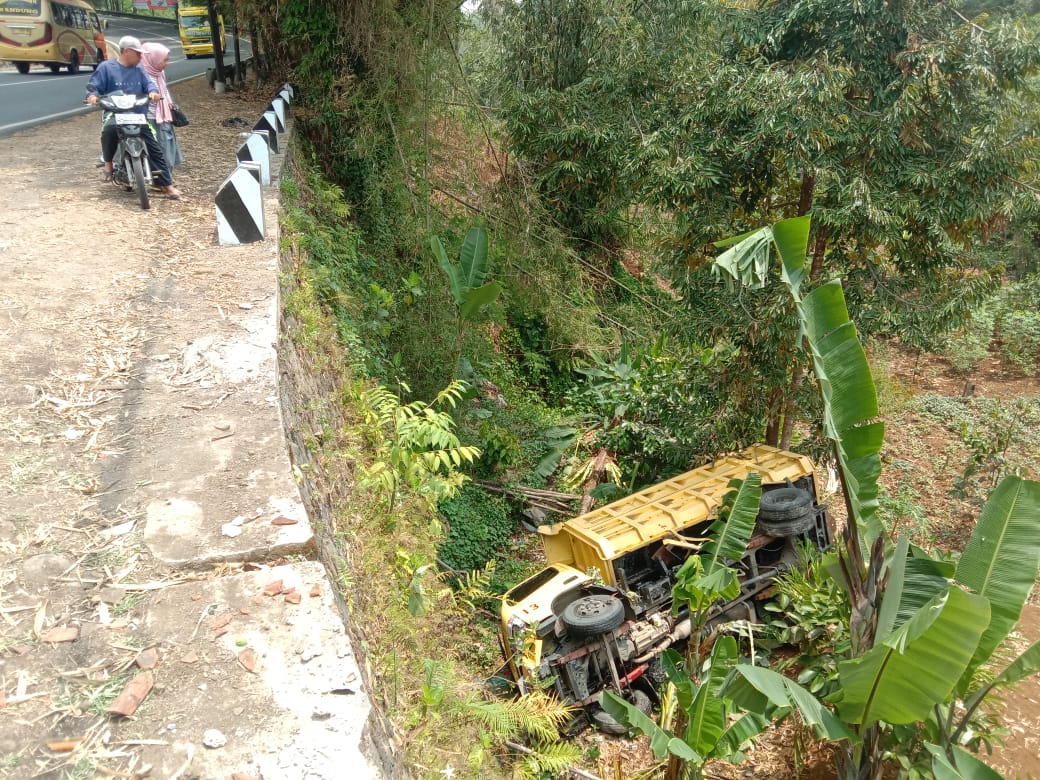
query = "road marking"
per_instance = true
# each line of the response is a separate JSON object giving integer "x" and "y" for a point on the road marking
{"x": 37, "y": 81}
{"x": 41, "y": 119}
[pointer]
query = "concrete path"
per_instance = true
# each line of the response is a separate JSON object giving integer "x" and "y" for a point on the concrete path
{"x": 153, "y": 540}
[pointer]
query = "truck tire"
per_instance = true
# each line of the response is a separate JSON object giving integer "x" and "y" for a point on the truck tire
{"x": 608, "y": 725}
{"x": 592, "y": 616}
{"x": 784, "y": 504}
{"x": 786, "y": 512}
{"x": 798, "y": 525}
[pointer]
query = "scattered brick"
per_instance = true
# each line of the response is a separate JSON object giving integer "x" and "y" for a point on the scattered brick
{"x": 247, "y": 658}
{"x": 60, "y": 634}
{"x": 147, "y": 659}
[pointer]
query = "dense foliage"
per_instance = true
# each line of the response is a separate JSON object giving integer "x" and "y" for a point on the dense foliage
{"x": 524, "y": 199}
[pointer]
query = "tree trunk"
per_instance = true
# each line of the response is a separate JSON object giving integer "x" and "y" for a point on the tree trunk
{"x": 595, "y": 478}
{"x": 805, "y": 197}
{"x": 819, "y": 250}
{"x": 790, "y": 406}
{"x": 773, "y": 411}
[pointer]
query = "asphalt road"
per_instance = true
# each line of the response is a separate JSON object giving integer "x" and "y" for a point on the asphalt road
{"x": 41, "y": 96}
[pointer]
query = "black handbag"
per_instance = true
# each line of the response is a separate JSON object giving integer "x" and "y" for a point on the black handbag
{"x": 180, "y": 119}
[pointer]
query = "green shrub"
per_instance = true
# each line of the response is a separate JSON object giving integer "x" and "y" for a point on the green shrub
{"x": 479, "y": 527}
{"x": 967, "y": 347}
{"x": 811, "y": 613}
{"x": 1018, "y": 339}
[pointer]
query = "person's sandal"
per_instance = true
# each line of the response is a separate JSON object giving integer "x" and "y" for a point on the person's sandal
{"x": 107, "y": 175}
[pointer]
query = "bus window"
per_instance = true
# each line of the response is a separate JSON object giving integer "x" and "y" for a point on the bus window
{"x": 54, "y": 33}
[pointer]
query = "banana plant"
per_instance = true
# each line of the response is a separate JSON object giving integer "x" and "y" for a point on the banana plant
{"x": 466, "y": 278}
{"x": 919, "y": 635}
{"x": 702, "y": 729}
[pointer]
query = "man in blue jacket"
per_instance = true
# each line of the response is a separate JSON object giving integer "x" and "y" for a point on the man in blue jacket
{"x": 126, "y": 74}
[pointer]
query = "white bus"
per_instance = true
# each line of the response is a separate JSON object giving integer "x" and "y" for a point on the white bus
{"x": 54, "y": 33}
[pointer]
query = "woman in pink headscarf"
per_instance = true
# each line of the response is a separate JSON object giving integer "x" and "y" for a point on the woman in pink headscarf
{"x": 154, "y": 59}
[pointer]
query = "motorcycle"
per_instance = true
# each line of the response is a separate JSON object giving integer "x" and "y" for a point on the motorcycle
{"x": 130, "y": 166}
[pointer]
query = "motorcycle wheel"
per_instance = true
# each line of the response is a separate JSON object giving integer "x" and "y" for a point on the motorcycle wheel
{"x": 139, "y": 182}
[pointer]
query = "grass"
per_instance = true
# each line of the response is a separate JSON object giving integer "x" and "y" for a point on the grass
{"x": 84, "y": 769}
{"x": 127, "y": 605}
{"x": 112, "y": 556}
{"x": 26, "y": 470}
{"x": 12, "y": 761}
{"x": 103, "y": 696}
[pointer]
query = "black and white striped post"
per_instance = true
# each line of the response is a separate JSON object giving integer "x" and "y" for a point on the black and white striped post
{"x": 269, "y": 122}
{"x": 240, "y": 206}
{"x": 255, "y": 149}
{"x": 279, "y": 108}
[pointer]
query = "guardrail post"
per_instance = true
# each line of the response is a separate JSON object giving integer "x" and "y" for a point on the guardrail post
{"x": 269, "y": 122}
{"x": 255, "y": 149}
{"x": 240, "y": 206}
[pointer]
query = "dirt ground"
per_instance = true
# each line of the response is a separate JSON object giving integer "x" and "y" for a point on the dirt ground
{"x": 83, "y": 267}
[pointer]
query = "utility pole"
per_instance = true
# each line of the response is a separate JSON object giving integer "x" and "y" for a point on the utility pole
{"x": 239, "y": 73}
{"x": 218, "y": 50}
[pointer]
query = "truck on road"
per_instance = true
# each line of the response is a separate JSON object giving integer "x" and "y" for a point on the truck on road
{"x": 195, "y": 31}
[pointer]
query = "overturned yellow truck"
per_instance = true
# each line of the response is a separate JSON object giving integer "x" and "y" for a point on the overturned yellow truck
{"x": 599, "y": 616}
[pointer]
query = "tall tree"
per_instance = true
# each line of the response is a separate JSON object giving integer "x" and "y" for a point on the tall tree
{"x": 893, "y": 122}
{"x": 566, "y": 104}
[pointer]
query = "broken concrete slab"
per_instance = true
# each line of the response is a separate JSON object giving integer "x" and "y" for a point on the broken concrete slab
{"x": 300, "y": 712}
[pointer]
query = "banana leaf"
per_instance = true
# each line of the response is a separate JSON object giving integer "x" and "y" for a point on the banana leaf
{"x": 706, "y": 718}
{"x": 839, "y": 362}
{"x": 756, "y": 689}
{"x": 901, "y": 678}
{"x": 968, "y": 767}
{"x": 728, "y": 539}
{"x": 705, "y": 578}
{"x": 661, "y": 742}
{"x": 473, "y": 258}
{"x": 912, "y": 582}
{"x": 1025, "y": 665}
{"x": 1000, "y": 561}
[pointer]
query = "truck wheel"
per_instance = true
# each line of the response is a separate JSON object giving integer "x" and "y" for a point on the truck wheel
{"x": 784, "y": 504}
{"x": 608, "y": 725}
{"x": 798, "y": 525}
{"x": 592, "y": 615}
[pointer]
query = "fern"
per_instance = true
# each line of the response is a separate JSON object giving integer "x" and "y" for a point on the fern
{"x": 419, "y": 448}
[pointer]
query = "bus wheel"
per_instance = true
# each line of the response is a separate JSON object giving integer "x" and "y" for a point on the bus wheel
{"x": 55, "y": 68}
{"x": 22, "y": 67}
{"x": 74, "y": 63}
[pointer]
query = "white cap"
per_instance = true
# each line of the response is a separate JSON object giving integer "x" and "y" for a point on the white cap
{"x": 130, "y": 42}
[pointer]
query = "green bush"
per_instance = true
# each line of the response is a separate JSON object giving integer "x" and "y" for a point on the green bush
{"x": 479, "y": 527}
{"x": 1007, "y": 324}
{"x": 1018, "y": 339}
